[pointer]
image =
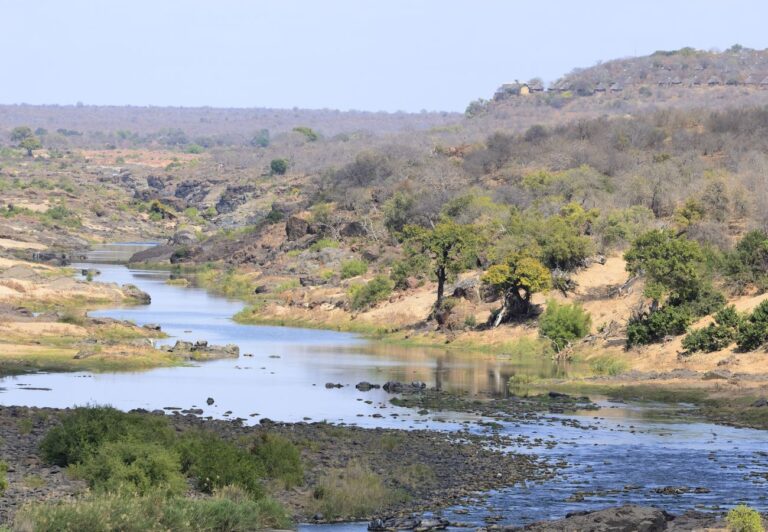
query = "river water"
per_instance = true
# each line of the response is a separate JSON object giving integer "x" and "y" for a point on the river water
{"x": 619, "y": 454}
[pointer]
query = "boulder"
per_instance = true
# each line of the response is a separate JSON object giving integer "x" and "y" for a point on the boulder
{"x": 468, "y": 289}
{"x": 352, "y": 229}
{"x": 133, "y": 292}
{"x": 717, "y": 374}
{"x": 366, "y": 386}
{"x": 400, "y": 387}
{"x": 629, "y": 518}
{"x": 296, "y": 228}
{"x": 155, "y": 182}
{"x": 184, "y": 237}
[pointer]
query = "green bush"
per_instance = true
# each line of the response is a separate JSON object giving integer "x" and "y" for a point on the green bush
{"x": 366, "y": 295}
{"x": 413, "y": 265}
{"x": 654, "y": 326}
{"x": 715, "y": 336}
{"x": 562, "y": 324}
{"x": 110, "y": 512}
{"x": 215, "y": 463}
{"x": 753, "y": 332}
{"x": 278, "y": 166}
{"x": 85, "y": 429}
{"x": 324, "y": 243}
{"x": 280, "y": 458}
{"x": 3, "y": 477}
{"x": 134, "y": 467}
{"x": 742, "y": 518}
{"x": 353, "y": 268}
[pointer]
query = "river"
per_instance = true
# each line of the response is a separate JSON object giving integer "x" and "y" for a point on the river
{"x": 619, "y": 454}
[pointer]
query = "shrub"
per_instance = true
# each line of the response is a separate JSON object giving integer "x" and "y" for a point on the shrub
{"x": 654, "y": 326}
{"x": 742, "y": 518}
{"x": 324, "y": 243}
{"x": 715, "y": 336}
{"x": 353, "y": 268}
{"x": 561, "y": 324}
{"x": 753, "y": 332}
{"x": 134, "y": 467}
{"x": 608, "y": 365}
{"x": 353, "y": 492}
{"x": 278, "y": 166}
{"x": 280, "y": 458}
{"x": 413, "y": 265}
{"x": 215, "y": 463}
{"x": 364, "y": 296}
{"x": 108, "y": 512}
{"x": 84, "y": 429}
{"x": 3, "y": 477}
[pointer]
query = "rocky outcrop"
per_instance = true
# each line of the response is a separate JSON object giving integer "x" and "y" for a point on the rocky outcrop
{"x": 154, "y": 254}
{"x": 192, "y": 191}
{"x": 155, "y": 182}
{"x": 628, "y": 518}
{"x": 201, "y": 350}
{"x": 233, "y": 197}
{"x": 297, "y": 228}
{"x": 468, "y": 289}
{"x": 135, "y": 294}
{"x": 400, "y": 387}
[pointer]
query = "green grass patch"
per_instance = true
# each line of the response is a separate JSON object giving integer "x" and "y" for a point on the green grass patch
{"x": 109, "y": 512}
{"x": 353, "y": 492}
{"x": 608, "y": 365}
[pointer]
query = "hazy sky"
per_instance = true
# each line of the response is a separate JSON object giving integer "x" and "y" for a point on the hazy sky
{"x": 346, "y": 54}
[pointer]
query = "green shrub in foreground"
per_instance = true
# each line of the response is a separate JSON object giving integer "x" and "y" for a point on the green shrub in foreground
{"x": 353, "y": 268}
{"x": 85, "y": 429}
{"x": 3, "y": 477}
{"x": 134, "y": 467}
{"x": 717, "y": 335}
{"x": 280, "y": 458}
{"x": 109, "y": 512}
{"x": 364, "y": 296}
{"x": 742, "y": 518}
{"x": 654, "y": 326}
{"x": 562, "y": 324}
{"x": 215, "y": 463}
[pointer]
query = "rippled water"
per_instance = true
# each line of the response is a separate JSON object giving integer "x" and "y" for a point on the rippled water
{"x": 619, "y": 454}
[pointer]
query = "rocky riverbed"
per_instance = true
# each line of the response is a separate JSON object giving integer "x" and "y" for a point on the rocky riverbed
{"x": 430, "y": 470}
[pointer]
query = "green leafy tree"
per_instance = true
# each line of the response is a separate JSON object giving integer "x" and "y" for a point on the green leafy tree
{"x": 517, "y": 280}
{"x": 671, "y": 264}
{"x": 20, "y": 133}
{"x": 25, "y": 139}
{"x": 451, "y": 247}
{"x": 278, "y": 166}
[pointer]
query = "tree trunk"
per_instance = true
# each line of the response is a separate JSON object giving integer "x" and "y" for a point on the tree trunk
{"x": 513, "y": 304}
{"x": 440, "y": 285}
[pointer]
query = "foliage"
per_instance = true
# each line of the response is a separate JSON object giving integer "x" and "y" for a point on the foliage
{"x": 352, "y": 492}
{"x": 608, "y": 365}
{"x": 353, "y": 268}
{"x": 450, "y": 246}
{"x": 278, "y": 166}
{"x": 324, "y": 243}
{"x": 562, "y": 324}
{"x": 85, "y": 429}
{"x": 3, "y": 476}
{"x": 742, "y": 518}
{"x": 717, "y": 335}
{"x": 671, "y": 265}
{"x": 747, "y": 265}
{"x": 655, "y": 326}
{"x": 366, "y": 295}
{"x": 134, "y": 468}
{"x": 260, "y": 139}
{"x": 753, "y": 332}
{"x": 280, "y": 458}
{"x": 109, "y": 512}
{"x": 517, "y": 279}
{"x": 215, "y": 463}
{"x": 308, "y": 133}
{"x": 413, "y": 265}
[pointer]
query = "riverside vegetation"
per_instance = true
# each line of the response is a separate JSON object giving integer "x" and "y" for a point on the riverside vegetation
{"x": 624, "y": 228}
